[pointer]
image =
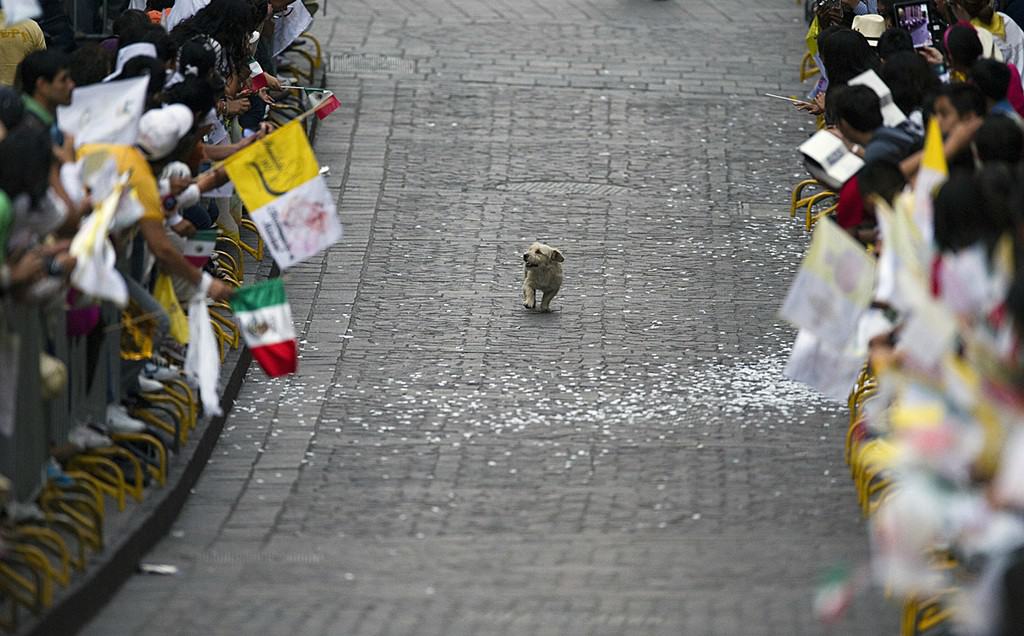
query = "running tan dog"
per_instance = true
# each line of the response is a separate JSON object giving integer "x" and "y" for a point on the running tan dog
{"x": 543, "y": 273}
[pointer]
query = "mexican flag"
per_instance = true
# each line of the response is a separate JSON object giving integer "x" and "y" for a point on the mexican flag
{"x": 199, "y": 247}
{"x": 256, "y": 74}
{"x": 325, "y": 103}
{"x": 266, "y": 321}
{"x": 834, "y": 594}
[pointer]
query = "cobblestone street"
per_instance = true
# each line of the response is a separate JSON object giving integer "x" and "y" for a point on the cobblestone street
{"x": 447, "y": 463}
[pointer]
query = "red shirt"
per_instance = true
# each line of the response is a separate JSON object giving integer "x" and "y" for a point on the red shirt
{"x": 850, "y": 211}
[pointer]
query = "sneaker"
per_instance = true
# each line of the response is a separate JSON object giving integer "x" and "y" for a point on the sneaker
{"x": 159, "y": 373}
{"x": 163, "y": 373}
{"x": 85, "y": 438}
{"x": 170, "y": 353}
{"x": 118, "y": 421}
{"x": 56, "y": 474}
{"x": 24, "y": 512}
{"x": 146, "y": 385}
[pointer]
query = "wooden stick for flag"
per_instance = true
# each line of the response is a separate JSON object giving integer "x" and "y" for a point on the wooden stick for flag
{"x": 312, "y": 111}
{"x": 308, "y": 89}
{"x": 224, "y": 162}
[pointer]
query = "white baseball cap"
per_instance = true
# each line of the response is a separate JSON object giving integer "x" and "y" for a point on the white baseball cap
{"x": 161, "y": 129}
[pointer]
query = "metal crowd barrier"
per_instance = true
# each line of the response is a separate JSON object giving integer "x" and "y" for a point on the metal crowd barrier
{"x": 91, "y": 362}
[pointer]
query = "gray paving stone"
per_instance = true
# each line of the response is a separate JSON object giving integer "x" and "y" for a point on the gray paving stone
{"x": 445, "y": 463}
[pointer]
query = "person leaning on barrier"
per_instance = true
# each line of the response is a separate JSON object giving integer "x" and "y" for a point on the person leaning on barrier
{"x": 25, "y": 162}
{"x": 160, "y": 130}
{"x": 1008, "y": 35}
{"x": 844, "y": 54}
{"x": 859, "y": 119}
{"x": 89, "y": 64}
{"x": 996, "y": 81}
{"x": 876, "y": 181}
{"x": 46, "y": 84}
{"x": 911, "y": 80}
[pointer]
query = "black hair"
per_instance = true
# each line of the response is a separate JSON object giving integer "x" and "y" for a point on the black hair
{"x": 965, "y": 98}
{"x": 26, "y": 154}
{"x": 997, "y": 181}
{"x": 860, "y": 107}
{"x": 194, "y": 92}
{"x": 89, "y": 64}
{"x": 963, "y": 45}
{"x": 981, "y": 9}
{"x": 910, "y": 79}
{"x": 957, "y": 219}
{"x": 128, "y": 19}
{"x": 992, "y": 77}
{"x": 1015, "y": 299}
{"x": 45, "y": 64}
{"x": 844, "y": 19}
{"x": 894, "y": 41}
{"x": 12, "y": 109}
{"x": 230, "y": 23}
{"x": 999, "y": 139}
{"x": 975, "y": 208}
{"x": 846, "y": 54}
{"x": 166, "y": 48}
{"x": 142, "y": 65}
{"x": 883, "y": 178}
{"x": 197, "y": 52}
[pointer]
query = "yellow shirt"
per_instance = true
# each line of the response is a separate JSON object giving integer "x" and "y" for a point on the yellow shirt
{"x": 129, "y": 159}
{"x": 17, "y": 41}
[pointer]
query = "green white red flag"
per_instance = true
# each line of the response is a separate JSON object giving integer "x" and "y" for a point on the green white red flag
{"x": 325, "y": 103}
{"x": 265, "y": 317}
{"x": 256, "y": 74}
{"x": 199, "y": 247}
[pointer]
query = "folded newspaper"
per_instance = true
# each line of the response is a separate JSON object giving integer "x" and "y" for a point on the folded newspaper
{"x": 829, "y": 160}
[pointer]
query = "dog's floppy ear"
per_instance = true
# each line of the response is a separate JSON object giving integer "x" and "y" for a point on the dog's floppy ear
{"x": 557, "y": 256}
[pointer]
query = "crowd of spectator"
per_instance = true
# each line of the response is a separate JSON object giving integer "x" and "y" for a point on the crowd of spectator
{"x": 103, "y": 198}
{"x": 936, "y": 210}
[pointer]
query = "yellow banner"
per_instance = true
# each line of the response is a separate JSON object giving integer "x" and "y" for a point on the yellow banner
{"x": 273, "y": 166}
{"x": 163, "y": 293}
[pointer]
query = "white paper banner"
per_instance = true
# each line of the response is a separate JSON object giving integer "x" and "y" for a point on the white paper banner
{"x": 105, "y": 113}
{"x": 290, "y": 26}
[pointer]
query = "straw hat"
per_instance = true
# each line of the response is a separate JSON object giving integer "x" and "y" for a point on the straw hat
{"x": 871, "y": 26}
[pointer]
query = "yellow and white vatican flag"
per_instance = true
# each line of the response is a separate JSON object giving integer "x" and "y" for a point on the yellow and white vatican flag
{"x": 932, "y": 174}
{"x": 94, "y": 272}
{"x": 278, "y": 179}
{"x": 903, "y": 262}
{"x": 832, "y": 288}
